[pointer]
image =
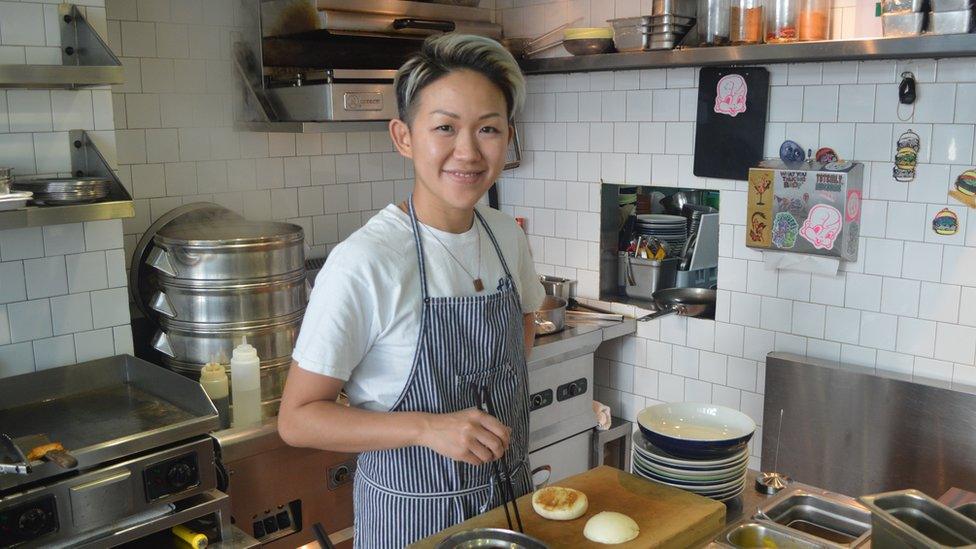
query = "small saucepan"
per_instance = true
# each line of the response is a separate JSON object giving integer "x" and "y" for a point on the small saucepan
{"x": 551, "y": 316}
{"x": 682, "y": 301}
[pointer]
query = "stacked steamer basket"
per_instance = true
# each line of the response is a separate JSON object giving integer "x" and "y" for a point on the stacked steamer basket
{"x": 700, "y": 448}
{"x": 209, "y": 278}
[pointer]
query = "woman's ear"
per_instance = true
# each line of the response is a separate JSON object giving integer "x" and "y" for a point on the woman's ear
{"x": 400, "y": 133}
{"x": 511, "y": 133}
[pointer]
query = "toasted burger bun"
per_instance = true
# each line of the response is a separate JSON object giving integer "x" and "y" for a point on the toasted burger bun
{"x": 558, "y": 503}
{"x": 610, "y": 528}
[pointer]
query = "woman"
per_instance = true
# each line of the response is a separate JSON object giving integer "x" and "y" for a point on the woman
{"x": 430, "y": 300}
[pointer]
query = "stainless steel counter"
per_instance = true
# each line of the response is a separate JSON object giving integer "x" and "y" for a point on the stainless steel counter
{"x": 553, "y": 348}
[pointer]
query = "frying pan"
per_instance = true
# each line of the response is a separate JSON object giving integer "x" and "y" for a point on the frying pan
{"x": 682, "y": 301}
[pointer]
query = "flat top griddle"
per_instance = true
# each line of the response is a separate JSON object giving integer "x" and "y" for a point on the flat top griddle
{"x": 102, "y": 411}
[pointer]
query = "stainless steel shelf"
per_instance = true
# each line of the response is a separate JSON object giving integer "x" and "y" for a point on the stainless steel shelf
{"x": 915, "y": 47}
{"x": 86, "y": 59}
{"x": 313, "y": 127}
{"x": 86, "y": 160}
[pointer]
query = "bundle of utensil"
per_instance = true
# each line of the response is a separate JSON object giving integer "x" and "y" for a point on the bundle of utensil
{"x": 483, "y": 401}
{"x": 648, "y": 247}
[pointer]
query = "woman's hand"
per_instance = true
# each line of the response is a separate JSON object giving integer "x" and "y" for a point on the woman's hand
{"x": 471, "y": 436}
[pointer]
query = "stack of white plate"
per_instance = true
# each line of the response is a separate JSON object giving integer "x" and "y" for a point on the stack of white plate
{"x": 671, "y": 229}
{"x": 698, "y": 447}
{"x": 719, "y": 479}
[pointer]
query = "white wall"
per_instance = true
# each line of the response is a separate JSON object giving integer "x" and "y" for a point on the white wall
{"x": 908, "y": 305}
{"x": 62, "y": 287}
{"x": 177, "y": 143}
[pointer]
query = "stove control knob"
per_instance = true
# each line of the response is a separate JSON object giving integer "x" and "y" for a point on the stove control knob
{"x": 575, "y": 389}
{"x": 179, "y": 475}
{"x": 32, "y": 521}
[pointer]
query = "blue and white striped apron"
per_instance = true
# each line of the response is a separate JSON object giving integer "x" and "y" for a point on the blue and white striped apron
{"x": 406, "y": 494}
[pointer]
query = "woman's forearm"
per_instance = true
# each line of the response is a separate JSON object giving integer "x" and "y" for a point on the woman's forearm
{"x": 326, "y": 425}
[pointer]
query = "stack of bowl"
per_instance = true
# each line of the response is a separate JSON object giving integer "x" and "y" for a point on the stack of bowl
{"x": 210, "y": 278}
{"x": 700, "y": 448}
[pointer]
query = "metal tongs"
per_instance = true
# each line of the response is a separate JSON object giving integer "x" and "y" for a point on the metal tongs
{"x": 12, "y": 459}
{"x": 483, "y": 401}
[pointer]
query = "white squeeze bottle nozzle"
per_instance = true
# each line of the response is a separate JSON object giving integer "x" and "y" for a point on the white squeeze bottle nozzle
{"x": 213, "y": 378}
{"x": 245, "y": 384}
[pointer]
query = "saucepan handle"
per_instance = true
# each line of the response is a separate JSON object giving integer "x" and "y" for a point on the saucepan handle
{"x": 663, "y": 312}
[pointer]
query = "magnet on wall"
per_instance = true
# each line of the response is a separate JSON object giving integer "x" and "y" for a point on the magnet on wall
{"x": 906, "y": 156}
{"x": 965, "y": 190}
{"x": 946, "y": 222}
{"x": 791, "y": 153}
{"x": 826, "y": 155}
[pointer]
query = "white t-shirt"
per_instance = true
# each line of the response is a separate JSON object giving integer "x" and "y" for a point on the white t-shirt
{"x": 363, "y": 317}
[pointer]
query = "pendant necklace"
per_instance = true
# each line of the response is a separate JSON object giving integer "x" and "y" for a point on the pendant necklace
{"x": 476, "y": 280}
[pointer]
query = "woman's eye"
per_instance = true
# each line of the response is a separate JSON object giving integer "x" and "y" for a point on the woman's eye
{"x": 443, "y": 128}
{"x": 489, "y": 129}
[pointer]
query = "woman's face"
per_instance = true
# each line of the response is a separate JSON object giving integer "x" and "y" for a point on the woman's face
{"x": 457, "y": 139}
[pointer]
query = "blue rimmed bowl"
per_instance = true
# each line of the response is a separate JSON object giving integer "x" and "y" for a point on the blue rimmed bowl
{"x": 696, "y": 431}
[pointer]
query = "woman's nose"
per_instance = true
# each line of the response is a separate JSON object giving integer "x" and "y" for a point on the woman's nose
{"x": 466, "y": 147}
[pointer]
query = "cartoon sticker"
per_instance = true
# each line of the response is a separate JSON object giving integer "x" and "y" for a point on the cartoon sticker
{"x": 795, "y": 206}
{"x": 965, "y": 190}
{"x": 946, "y": 222}
{"x": 906, "y": 156}
{"x": 853, "y": 207}
{"x": 785, "y": 229}
{"x": 761, "y": 183}
{"x": 758, "y": 226}
{"x": 730, "y": 95}
{"x": 822, "y": 226}
{"x": 826, "y": 155}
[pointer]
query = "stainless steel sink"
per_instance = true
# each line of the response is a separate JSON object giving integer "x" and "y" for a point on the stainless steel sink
{"x": 911, "y": 519}
{"x": 830, "y": 517}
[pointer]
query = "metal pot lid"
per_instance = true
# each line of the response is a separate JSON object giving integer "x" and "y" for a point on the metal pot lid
{"x": 193, "y": 329}
{"x": 215, "y": 231}
{"x": 141, "y": 276}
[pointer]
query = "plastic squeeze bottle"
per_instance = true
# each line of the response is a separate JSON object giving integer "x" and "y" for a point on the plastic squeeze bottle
{"x": 245, "y": 376}
{"x": 213, "y": 377}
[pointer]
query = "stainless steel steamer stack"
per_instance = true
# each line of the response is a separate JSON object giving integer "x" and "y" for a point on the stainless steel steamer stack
{"x": 208, "y": 278}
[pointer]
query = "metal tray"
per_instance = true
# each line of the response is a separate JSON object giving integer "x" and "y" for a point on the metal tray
{"x": 909, "y": 518}
{"x": 752, "y": 534}
{"x": 838, "y": 520}
{"x": 102, "y": 410}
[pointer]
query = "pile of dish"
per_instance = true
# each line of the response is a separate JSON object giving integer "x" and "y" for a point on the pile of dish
{"x": 65, "y": 190}
{"x": 700, "y": 448}
{"x": 650, "y": 32}
{"x": 670, "y": 229}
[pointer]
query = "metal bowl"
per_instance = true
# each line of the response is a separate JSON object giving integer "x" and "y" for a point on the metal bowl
{"x": 551, "y": 316}
{"x": 484, "y": 538}
{"x": 588, "y": 46}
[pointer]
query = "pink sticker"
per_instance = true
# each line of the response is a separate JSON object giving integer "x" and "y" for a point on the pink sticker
{"x": 853, "y": 208}
{"x": 730, "y": 95}
{"x": 822, "y": 226}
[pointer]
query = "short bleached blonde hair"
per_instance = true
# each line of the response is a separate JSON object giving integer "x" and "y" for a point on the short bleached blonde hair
{"x": 442, "y": 54}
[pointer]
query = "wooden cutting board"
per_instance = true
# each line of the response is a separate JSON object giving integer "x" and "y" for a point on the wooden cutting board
{"x": 667, "y": 517}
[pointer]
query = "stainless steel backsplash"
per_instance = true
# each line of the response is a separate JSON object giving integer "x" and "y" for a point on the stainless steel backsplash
{"x": 857, "y": 431}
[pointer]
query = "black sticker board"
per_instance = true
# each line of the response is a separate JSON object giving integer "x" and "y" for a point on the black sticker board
{"x": 726, "y": 146}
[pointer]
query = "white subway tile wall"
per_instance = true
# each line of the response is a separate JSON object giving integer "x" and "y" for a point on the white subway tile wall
{"x": 906, "y": 306}
{"x": 47, "y": 273}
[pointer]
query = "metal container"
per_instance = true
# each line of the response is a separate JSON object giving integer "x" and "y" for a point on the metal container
{"x": 647, "y": 276}
{"x": 946, "y": 5}
{"x": 752, "y": 534}
{"x": 5, "y": 180}
{"x": 839, "y": 521}
{"x": 950, "y": 22}
{"x": 684, "y": 8}
{"x": 551, "y": 316}
{"x": 903, "y": 6}
{"x": 486, "y": 538}
{"x": 713, "y": 22}
{"x": 902, "y": 24}
{"x": 200, "y": 343}
{"x": 558, "y": 286}
{"x": 588, "y": 46}
{"x": 911, "y": 519}
{"x": 227, "y": 248}
{"x": 232, "y": 301}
